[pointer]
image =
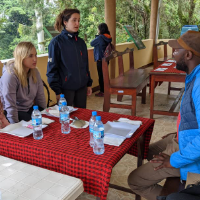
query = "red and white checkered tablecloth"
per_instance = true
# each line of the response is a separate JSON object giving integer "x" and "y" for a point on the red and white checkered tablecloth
{"x": 71, "y": 154}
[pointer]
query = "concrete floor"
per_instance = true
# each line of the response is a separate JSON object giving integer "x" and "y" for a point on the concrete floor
{"x": 163, "y": 125}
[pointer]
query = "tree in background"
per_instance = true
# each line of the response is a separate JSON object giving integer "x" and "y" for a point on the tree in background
{"x": 23, "y": 20}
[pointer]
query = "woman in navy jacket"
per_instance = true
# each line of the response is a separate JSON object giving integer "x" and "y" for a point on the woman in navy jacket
{"x": 100, "y": 43}
{"x": 67, "y": 68}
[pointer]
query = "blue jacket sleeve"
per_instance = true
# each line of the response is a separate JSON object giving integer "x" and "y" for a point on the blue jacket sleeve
{"x": 95, "y": 42}
{"x": 53, "y": 67}
{"x": 191, "y": 152}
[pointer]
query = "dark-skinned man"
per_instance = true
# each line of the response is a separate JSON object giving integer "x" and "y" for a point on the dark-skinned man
{"x": 176, "y": 154}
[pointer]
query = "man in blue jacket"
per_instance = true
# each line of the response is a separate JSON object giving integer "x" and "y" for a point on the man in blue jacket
{"x": 176, "y": 154}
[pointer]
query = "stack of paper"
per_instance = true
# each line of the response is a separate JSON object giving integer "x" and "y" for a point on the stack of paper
{"x": 116, "y": 132}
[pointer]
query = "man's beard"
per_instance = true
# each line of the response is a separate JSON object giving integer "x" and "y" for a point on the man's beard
{"x": 181, "y": 65}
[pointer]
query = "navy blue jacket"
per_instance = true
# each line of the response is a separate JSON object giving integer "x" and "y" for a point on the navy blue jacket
{"x": 100, "y": 43}
{"x": 67, "y": 67}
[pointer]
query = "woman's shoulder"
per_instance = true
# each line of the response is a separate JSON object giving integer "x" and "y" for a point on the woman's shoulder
{"x": 8, "y": 70}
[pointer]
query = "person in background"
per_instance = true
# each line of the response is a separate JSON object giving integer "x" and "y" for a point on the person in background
{"x": 3, "y": 121}
{"x": 67, "y": 69}
{"x": 176, "y": 154}
{"x": 21, "y": 84}
{"x": 100, "y": 43}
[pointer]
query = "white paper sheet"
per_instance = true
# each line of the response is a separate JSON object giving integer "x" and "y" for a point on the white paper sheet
{"x": 172, "y": 61}
{"x": 54, "y": 111}
{"x": 166, "y": 64}
{"x": 19, "y": 129}
{"x": 160, "y": 69}
{"x": 116, "y": 132}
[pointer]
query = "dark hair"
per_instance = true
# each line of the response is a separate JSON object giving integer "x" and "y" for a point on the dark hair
{"x": 65, "y": 15}
{"x": 103, "y": 28}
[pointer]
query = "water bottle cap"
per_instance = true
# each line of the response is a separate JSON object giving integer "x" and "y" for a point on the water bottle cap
{"x": 98, "y": 118}
{"x": 35, "y": 107}
{"x": 94, "y": 113}
{"x": 62, "y": 96}
{"x": 64, "y": 103}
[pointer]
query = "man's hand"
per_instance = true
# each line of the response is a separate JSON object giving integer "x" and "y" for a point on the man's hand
{"x": 162, "y": 158}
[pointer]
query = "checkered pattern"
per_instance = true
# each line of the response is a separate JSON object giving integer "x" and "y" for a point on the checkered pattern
{"x": 170, "y": 69}
{"x": 71, "y": 154}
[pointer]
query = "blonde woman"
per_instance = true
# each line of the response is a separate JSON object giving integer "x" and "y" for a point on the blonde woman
{"x": 3, "y": 121}
{"x": 21, "y": 84}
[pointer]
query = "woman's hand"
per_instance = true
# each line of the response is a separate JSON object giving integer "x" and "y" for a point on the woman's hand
{"x": 89, "y": 91}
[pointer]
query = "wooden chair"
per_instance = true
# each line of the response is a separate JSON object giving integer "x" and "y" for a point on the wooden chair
{"x": 127, "y": 83}
{"x": 172, "y": 185}
{"x": 157, "y": 62}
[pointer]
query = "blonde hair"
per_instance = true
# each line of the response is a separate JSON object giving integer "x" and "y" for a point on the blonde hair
{"x": 23, "y": 50}
{"x": 65, "y": 15}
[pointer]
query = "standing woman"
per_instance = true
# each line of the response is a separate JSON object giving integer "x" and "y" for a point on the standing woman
{"x": 67, "y": 68}
{"x": 21, "y": 84}
{"x": 100, "y": 43}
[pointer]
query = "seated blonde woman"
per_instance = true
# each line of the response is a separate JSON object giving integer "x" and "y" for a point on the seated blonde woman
{"x": 3, "y": 121}
{"x": 21, "y": 84}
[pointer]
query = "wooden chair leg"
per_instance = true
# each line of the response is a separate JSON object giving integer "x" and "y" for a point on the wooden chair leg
{"x": 134, "y": 99}
{"x": 119, "y": 97}
{"x": 144, "y": 95}
{"x": 106, "y": 104}
{"x": 169, "y": 86}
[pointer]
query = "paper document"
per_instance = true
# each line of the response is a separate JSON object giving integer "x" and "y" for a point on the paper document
{"x": 116, "y": 132}
{"x": 160, "y": 69}
{"x": 19, "y": 129}
{"x": 166, "y": 64}
{"x": 54, "y": 111}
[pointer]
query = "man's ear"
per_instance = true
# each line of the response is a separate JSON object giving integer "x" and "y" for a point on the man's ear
{"x": 189, "y": 55}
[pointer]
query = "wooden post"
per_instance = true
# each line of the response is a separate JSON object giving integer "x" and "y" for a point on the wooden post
{"x": 153, "y": 19}
{"x": 110, "y": 19}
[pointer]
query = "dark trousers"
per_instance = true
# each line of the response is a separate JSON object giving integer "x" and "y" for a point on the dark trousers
{"x": 26, "y": 116}
{"x": 76, "y": 98}
{"x": 100, "y": 73}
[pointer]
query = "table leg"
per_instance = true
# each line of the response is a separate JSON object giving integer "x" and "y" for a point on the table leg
{"x": 152, "y": 95}
{"x": 144, "y": 95}
{"x": 140, "y": 149}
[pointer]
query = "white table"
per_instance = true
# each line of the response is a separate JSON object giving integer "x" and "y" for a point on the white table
{"x": 21, "y": 181}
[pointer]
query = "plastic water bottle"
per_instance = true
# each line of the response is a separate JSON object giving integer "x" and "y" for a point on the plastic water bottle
{"x": 64, "y": 118}
{"x": 61, "y": 100}
{"x": 98, "y": 135}
{"x": 91, "y": 126}
{"x": 37, "y": 123}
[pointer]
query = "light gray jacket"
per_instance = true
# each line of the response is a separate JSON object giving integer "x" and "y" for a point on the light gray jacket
{"x": 16, "y": 98}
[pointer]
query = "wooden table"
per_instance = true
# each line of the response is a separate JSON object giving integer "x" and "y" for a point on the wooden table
{"x": 171, "y": 74}
{"x": 71, "y": 153}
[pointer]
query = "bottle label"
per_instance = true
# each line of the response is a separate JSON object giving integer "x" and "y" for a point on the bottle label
{"x": 36, "y": 122}
{"x": 91, "y": 128}
{"x": 64, "y": 116}
{"x": 60, "y": 107}
{"x": 98, "y": 134}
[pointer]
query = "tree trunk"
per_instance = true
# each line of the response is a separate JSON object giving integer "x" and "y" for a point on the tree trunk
{"x": 39, "y": 28}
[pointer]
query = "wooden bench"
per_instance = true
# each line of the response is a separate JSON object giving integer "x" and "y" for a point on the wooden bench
{"x": 127, "y": 83}
{"x": 19, "y": 180}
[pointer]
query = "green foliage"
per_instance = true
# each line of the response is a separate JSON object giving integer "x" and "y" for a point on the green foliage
{"x": 18, "y": 22}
